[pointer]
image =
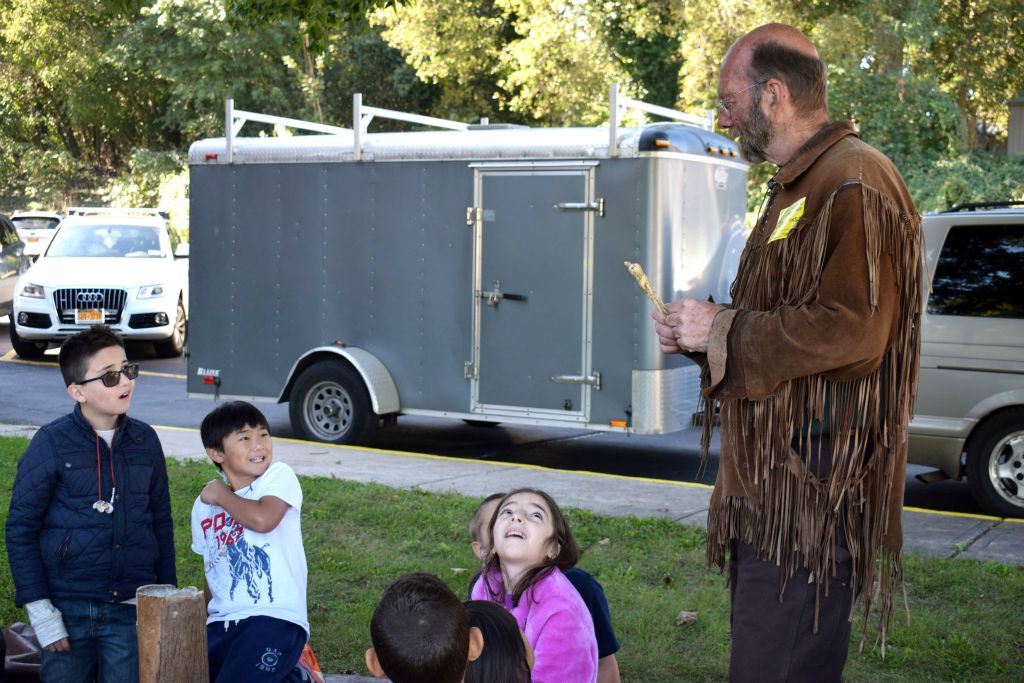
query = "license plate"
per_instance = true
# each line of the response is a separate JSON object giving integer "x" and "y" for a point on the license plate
{"x": 88, "y": 315}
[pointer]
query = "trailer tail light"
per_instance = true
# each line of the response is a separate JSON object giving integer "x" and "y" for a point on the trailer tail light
{"x": 211, "y": 156}
{"x": 211, "y": 380}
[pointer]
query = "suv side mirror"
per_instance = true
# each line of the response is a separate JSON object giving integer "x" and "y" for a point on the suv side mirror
{"x": 181, "y": 251}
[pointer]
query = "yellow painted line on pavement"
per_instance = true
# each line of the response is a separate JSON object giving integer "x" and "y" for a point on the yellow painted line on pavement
{"x": 969, "y": 515}
{"x": 11, "y": 357}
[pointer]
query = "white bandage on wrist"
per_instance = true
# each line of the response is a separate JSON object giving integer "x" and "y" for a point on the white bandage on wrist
{"x": 47, "y": 621}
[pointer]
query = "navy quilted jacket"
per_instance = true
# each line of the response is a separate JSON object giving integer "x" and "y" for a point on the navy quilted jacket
{"x": 58, "y": 545}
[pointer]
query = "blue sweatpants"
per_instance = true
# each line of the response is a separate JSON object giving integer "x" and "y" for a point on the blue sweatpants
{"x": 255, "y": 649}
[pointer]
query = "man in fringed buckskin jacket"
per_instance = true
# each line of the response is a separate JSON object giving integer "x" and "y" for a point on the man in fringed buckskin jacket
{"x": 813, "y": 367}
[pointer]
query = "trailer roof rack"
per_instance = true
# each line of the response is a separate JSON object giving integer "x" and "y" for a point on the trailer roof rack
{"x": 974, "y": 206}
{"x": 363, "y": 115}
{"x": 617, "y": 104}
{"x": 117, "y": 211}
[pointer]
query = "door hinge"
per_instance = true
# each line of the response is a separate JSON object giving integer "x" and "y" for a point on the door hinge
{"x": 593, "y": 380}
{"x": 469, "y": 370}
{"x": 597, "y": 206}
{"x": 474, "y": 214}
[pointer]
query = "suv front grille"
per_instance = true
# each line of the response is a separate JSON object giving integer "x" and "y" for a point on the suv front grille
{"x": 68, "y": 301}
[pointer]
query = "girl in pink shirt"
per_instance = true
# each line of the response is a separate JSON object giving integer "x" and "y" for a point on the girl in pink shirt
{"x": 530, "y": 546}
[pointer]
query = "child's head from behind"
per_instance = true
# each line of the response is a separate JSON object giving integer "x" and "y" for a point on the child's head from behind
{"x": 97, "y": 374}
{"x": 420, "y": 632}
{"x": 236, "y": 436}
{"x": 507, "y": 656}
{"x": 529, "y": 535}
{"x": 480, "y": 525}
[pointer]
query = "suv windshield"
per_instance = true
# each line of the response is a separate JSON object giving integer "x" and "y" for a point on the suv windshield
{"x": 106, "y": 241}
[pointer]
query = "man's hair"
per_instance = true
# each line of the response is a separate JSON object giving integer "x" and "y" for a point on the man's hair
{"x": 77, "y": 352}
{"x": 227, "y": 419}
{"x": 477, "y": 522}
{"x": 420, "y": 631}
{"x": 805, "y": 76}
{"x": 503, "y": 659}
{"x": 567, "y": 557}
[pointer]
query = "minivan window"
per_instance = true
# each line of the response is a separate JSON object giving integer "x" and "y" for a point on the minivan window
{"x": 980, "y": 272}
{"x": 8, "y": 235}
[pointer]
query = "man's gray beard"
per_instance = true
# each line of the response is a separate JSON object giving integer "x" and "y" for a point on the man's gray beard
{"x": 757, "y": 133}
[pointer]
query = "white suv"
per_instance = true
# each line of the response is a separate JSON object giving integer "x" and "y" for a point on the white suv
{"x": 112, "y": 266}
{"x": 969, "y": 417}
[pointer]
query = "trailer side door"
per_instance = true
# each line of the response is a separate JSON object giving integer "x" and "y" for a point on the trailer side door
{"x": 532, "y": 291}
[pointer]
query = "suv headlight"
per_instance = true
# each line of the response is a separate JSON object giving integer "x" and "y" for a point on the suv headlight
{"x": 151, "y": 291}
{"x": 32, "y": 291}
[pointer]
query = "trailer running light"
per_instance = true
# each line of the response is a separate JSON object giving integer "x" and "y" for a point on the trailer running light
{"x": 662, "y": 143}
{"x": 210, "y": 380}
{"x": 211, "y": 156}
{"x": 617, "y": 423}
{"x": 712, "y": 149}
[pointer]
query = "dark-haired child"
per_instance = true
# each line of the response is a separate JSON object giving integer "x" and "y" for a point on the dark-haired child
{"x": 250, "y": 536}
{"x": 585, "y": 584}
{"x": 90, "y": 519}
{"x": 420, "y": 632}
{"x": 507, "y": 657}
{"x": 531, "y": 545}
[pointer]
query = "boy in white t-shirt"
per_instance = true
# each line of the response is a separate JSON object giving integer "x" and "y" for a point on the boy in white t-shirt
{"x": 250, "y": 536}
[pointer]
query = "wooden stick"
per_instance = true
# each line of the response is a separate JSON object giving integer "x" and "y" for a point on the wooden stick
{"x": 637, "y": 271}
{"x": 171, "y": 626}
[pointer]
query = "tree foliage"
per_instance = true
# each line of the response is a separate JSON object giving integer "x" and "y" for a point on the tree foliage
{"x": 86, "y": 84}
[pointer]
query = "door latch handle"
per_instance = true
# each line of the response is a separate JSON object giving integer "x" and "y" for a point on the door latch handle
{"x": 495, "y": 296}
{"x": 593, "y": 380}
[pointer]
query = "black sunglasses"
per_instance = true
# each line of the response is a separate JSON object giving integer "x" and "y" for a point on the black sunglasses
{"x": 111, "y": 378}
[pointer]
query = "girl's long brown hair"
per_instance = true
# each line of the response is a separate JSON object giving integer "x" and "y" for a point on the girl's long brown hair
{"x": 567, "y": 557}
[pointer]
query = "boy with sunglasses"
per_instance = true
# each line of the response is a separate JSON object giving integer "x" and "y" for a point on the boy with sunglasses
{"x": 90, "y": 519}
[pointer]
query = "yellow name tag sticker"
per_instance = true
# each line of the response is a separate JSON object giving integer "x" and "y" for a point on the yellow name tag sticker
{"x": 788, "y": 218}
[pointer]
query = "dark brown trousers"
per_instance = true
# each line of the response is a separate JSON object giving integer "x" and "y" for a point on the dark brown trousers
{"x": 773, "y": 640}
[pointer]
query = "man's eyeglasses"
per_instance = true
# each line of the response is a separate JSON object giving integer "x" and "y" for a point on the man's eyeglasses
{"x": 720, "y": 102}
{"x": 111, "y": 378}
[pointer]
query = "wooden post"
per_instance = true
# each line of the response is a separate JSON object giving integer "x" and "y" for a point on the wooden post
{"x": 171, "y": 626}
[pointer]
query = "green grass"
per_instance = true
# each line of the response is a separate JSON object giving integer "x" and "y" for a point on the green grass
{"x": 966, "y": 622}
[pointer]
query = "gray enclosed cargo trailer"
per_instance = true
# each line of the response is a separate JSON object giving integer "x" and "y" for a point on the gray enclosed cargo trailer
{"x": 473, "y": 274}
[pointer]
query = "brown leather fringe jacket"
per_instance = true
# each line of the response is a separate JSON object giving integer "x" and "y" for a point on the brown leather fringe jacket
{"x": 823, "y": 335}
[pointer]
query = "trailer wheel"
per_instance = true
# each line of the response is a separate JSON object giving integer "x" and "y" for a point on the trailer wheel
{"x": 26, "y": 348}
{"x": 330, "y": 403}
{"x": 995, "y": 465}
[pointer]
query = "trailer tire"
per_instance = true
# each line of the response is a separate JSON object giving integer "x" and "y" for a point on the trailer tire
{"x": 329, "y": 403}
{"x": 26, "y": 348}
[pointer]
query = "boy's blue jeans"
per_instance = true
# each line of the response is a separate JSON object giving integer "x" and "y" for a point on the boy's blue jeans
{"x": 103, "y": 644}
{"x": 255, "y": 649}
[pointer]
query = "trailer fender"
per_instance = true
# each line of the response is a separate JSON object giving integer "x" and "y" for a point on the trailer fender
{"x": 379, "y": 383}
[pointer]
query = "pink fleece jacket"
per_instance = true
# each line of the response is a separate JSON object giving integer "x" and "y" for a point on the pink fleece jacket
{"x": 556, "y": 622}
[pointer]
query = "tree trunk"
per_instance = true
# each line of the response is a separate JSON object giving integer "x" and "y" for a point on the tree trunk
{"x": 172, "y": 634}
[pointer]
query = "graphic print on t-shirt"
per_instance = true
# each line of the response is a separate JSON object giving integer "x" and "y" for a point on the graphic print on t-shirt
{"x": 246, "y": 562}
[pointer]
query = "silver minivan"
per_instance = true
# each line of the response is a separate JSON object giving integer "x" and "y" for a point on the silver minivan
{"x": 969, "y": 417}
{"x": 13, "y": 262}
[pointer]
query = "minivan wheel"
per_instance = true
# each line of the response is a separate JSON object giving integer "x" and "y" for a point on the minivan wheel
{"x": 329, "y": 402}
{"x": 995, "y": 465}
{"x": 26, "y": 348}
